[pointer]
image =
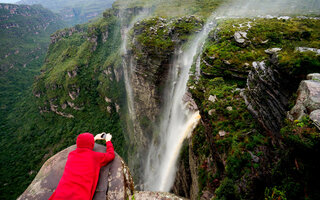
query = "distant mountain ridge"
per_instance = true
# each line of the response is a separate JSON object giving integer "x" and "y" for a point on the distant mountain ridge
{"x": 73, "y": 11}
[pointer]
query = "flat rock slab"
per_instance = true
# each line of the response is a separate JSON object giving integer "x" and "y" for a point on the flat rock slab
{"x": 115, "y": 181}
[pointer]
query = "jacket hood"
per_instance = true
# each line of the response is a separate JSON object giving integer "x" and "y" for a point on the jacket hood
{"x": 85, "y": 140}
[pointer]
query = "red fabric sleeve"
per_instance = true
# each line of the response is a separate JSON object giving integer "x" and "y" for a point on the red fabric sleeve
{"x": 105, "y": 158}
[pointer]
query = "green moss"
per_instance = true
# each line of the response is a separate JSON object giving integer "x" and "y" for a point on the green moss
{"x": 156, "y": 35}
{"x": 274, "y": 194}
{"x": 226, "y": 190}
{"x": 263, "y": 34}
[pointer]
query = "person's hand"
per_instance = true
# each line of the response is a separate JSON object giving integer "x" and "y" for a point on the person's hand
{"x": 108, "y": 137}
{"x": 99, "y": 136}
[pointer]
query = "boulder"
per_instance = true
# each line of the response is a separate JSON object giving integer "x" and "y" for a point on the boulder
{"x": 229, "y": 108}
{"x": 212, "y": 98}
{"x": 304, "y": 49}
{"x": 222, "y": 133}
{"x": 314, "y": 76}
{"x": 115, "y": 181}
{"x": 315, "y": 116}
{"x": 272, "y": 51}
{"x": 210, "y": 112}
{"x": 240, "y": 37}
{"x": 308, "y": 99}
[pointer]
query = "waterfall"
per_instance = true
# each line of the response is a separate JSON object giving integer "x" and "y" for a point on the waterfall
{"x": 177, "y": 121}
{"x": 128, "y": 67}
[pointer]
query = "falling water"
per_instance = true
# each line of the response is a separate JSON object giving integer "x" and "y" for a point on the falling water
{"x": 128, "y": 67}
{"x": 177, "y": 122}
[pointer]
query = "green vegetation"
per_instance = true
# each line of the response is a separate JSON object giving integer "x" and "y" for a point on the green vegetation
{"x": 238, "y": 159}
{"x": 74, "y": 11}
{"x": 274, "y": 193}
{"x": 230, "y": 127}
{"x": 173, "y": 8}
{"x": 296, "y": 173}
{"x": 156, "y": 34}
{"x": 226, "y": 57}
{"x": 84, "y": 59}
{"x": 25, "y": 37}
{"x": 80, "y": 90}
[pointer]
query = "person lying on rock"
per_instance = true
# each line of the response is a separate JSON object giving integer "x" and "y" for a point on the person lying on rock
{"x": 81, "y": 173}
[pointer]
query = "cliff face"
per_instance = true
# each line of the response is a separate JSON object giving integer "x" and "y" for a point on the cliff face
{"x": 153, "y": 45}
{"x": 245, "y": 147}
{"x": 84, "y": 53}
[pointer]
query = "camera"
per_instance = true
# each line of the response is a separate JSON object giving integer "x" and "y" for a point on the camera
{"x": 103, "y": 136}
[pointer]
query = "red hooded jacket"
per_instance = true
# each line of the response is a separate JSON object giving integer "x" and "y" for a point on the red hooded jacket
{"x": 81, "y": 173}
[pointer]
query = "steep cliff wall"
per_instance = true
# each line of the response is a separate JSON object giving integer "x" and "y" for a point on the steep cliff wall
{"x": 250, "y": 71}
{"x": 153, "y": 44}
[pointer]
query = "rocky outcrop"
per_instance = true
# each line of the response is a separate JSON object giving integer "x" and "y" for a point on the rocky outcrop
{"x": 146, "y": 195}
{"x": 67, "y": 32}
{"x": 304, "y": 49}
{"x": 241, "y": 38}
{"x": 115, "y": 181}
{"x": 308, "y": 100}
{"x": 265, "y": 97}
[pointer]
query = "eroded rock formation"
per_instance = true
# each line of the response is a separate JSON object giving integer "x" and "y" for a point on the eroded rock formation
{"x": 265, "y": 97}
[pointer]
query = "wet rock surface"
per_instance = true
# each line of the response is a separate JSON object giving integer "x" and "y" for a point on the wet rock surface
{"x": 115, "y": 181}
